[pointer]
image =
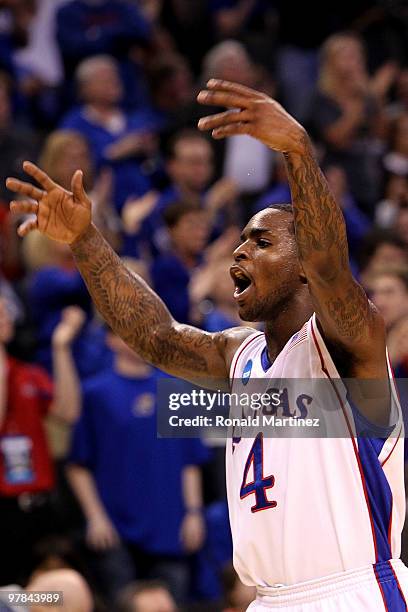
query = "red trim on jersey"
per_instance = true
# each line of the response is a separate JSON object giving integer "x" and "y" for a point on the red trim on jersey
{"x": 380, "y": 587}
{"x": 352, "y": 439}
{"x": 399, "y": 399}
{"x": 398, "y": 584}
{"x": 392, "y": 450}
{"x": 393, "y": 377}
{"x": 241, "y": 350}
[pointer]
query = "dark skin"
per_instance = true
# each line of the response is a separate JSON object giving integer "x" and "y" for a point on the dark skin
{"x": 290, "y": 275}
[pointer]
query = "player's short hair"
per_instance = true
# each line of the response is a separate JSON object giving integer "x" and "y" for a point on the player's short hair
{"x": 174, "y": 212}
{"x": 285, "y": 207}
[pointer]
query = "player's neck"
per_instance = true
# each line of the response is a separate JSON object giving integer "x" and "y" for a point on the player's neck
{"x": 291, "y": 318}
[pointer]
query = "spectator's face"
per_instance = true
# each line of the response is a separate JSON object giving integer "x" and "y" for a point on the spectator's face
{"x": 104, "y": 86}
{"x": 191, "y": 232}
{"x": 154, "y": 600}
{"x": 236, "y": 67}
{"x": 74, "y": 156}
{"x": 386, "y": 254}
{"x": 347, "y": 58}
{"x": 192, "y": 164}
{"x": 390, "y": 295}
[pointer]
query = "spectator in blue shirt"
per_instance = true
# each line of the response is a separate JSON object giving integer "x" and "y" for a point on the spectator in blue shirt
{"x": 123, "y": 141}
{"x": 141, "y": 495}
{"x": 115, "y": 27}
{"x": 279, "y": 190}
{"x": 190, "y": 167}
{"x": 53, "y": 285}
{"x": 188, "y": 229}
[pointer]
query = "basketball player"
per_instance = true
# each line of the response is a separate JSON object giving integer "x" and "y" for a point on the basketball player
{"x": 316, "y": 523}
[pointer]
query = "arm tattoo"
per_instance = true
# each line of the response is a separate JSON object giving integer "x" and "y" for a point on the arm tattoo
{"x": 350, "y": 313}
{"x": 138, "y": 315}
{"x": 319, "y": 223}
{"x": 323, "y": 251}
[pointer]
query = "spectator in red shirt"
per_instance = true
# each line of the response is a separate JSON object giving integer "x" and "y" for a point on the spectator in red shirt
{"x": 27, "y": 396}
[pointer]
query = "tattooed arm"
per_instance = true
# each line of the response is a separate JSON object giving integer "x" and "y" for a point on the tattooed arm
{"x": 125, "y": 301}
{"x": 140, "y": 318}
{"x": 348, "y": 320}
{"x": 345, "y": 314}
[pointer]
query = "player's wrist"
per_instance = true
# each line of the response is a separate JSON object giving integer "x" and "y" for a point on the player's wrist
{"x": 300, "y": 142}
{"x": 84, "y": 236}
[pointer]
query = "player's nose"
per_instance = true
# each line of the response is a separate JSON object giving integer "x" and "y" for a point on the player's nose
{"x": 241, "y": 252}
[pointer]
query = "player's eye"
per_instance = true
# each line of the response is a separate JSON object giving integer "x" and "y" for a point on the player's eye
{"x": 262, "y": 243}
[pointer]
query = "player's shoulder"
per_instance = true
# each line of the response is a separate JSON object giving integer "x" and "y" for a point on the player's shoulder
{"x": 232, "y": 339}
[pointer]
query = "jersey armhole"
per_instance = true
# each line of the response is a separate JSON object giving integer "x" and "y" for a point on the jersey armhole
{"x": 239, "y": 352}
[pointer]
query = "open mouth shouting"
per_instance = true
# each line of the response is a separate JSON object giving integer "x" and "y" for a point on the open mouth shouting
{"x": 242, "y": 281}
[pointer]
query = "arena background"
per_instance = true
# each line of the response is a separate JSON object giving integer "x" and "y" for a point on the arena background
{"x": 91, "y": 501}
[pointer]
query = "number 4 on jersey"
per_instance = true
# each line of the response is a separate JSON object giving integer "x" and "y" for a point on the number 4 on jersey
{"x": 260, "y": 483}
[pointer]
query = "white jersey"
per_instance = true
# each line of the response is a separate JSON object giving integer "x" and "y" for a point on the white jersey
{"x": 306, "y": 507}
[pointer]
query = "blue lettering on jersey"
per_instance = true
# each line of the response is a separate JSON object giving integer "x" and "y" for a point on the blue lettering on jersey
{"x": 284, "y": 407}
{"x": 246, "y": 373}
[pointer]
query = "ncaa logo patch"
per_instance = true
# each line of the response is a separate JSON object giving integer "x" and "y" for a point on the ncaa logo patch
{"x": 246, "y": 373}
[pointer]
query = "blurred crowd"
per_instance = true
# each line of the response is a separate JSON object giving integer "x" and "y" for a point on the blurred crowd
{"x": 90, "y": 498}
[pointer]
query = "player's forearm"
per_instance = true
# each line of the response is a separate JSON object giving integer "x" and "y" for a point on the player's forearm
{"x": 140, "y": 318}
{"x": 126, "y": 302}
{"x": 319, "y": 223}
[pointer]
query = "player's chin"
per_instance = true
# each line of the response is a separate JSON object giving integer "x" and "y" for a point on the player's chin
{"x": 249, "y": 314}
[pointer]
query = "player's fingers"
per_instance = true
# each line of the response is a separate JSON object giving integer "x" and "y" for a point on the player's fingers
{"x": 223, "y": 98}
{"x": 77, "y": 188}
{"x": 24, "y": 188}
{"x": 242, "y": 90}
{"x": 39, "y": 175}
{"x": 28, "y": 226}
{"x": 24, "y": 207}
{"x": 231, "y": 130}
{"x": 215, "y": 121}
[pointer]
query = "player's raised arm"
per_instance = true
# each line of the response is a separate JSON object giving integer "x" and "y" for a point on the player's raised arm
{"x": 125, "y": 301}
{"x": 345, "y": 315}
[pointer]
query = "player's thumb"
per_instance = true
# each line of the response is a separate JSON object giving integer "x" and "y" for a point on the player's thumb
{"x": 77, "y": 188}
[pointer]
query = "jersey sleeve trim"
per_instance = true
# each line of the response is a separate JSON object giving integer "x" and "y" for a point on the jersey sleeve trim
{"x": 239, "y": 352}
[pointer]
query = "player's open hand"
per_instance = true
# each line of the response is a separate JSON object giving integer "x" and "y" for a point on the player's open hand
{"x": 252, "y": 113}
{"x": 59, "y": 214}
